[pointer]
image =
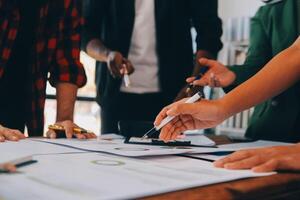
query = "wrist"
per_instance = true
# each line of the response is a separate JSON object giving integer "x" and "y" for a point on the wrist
{"x": 225, "y": 110}
{"x": 298, "y": 146}
{"x": 66, "y": 118}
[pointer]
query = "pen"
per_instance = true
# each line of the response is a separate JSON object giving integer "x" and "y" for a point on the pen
{"x": 126, "y": 76}
{"x": 4, "y": 169}
{"x": 191, "y": 85}
{"x": 56, "y": 127}
{"x": 168, "y": 119}
{"x": 203, "y": 70}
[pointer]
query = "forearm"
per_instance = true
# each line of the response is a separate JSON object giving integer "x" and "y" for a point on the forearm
{"x": 66, "y": 96}
{"x": 269, "y": 82}
{"x": 97, "y": 50}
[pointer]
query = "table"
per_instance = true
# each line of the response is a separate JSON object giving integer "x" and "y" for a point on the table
{"x": 284, "y": 185}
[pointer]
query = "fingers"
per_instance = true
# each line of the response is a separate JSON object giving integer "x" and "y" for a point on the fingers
{"x": 268, "y": 166}
{"x": 165, "y": 131}
{"x": 2, "y": 138}
{"x": 190, "y": 79}
{"x": 181, "y": 109}
{"x": 213, "y": 81}
{"x": 129, "y": 66}
{"x": 163, "y": 112}
{"x": 10, "y": 167}
{"x": 115, "y": 69}
{"x": 208, "y": 62}
{"x": 69, "y": 129}
{"x": 239, "y": 155}
{"x": 11, "y": 135}
{"x": 161, "y": 116}
{"x": 90, "y": 135}
{"x": 51, "y": 134}
{"x": 289, "y": 161}
{"x": 203, "y": 81}
{"x": 246, "y": 163}
{"x": 80, "y": 136}
{"x": 18, "y": 134}
{"x": 175, "y": 128}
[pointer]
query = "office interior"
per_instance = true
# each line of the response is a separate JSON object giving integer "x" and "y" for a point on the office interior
{"x": 115, "y": 166}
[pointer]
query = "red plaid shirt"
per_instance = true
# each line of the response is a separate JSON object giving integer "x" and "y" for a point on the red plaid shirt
{"x": 57, "y": 50}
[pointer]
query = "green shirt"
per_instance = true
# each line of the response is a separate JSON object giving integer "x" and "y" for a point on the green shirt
{"x": 273, "y": 29}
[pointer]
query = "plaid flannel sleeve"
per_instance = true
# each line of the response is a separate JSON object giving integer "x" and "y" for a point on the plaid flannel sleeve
{"x": 68, "y": 67}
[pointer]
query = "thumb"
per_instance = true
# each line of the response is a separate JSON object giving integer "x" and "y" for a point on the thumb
{"x": 181, "y": 109}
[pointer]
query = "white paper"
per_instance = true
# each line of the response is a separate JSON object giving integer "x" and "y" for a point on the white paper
{"x": 199, "y": 139}
{"x": 239, "y": 146}
{"x": 130, "y": 150}
{"x": 111, "y": 137}
{"x": 15, "y": 150}
{"x": 251, "y": 145}
{"x": 100, "y": 176}
{"x": 210, "y": 157}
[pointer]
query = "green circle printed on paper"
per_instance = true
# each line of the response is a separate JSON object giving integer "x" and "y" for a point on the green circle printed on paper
{"x": 108, "y": 162}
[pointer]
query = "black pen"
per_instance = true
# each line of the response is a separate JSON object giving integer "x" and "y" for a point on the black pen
{"x": 23, "y": 164}
{"x": 203, "y": 70}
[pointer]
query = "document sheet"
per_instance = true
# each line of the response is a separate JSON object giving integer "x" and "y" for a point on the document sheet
{"x": 235, "y": 147}
{"x": 251, "y": 145}
{"x": 130, "y": 150}
{"x": 102, "y": 176}
{"x": 24, "y": 148}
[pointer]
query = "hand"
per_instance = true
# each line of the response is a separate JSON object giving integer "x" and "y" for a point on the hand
{"x": 69, "y": 126}
{"x": 10, "y": 134}
{"x": 217, "y": 75}
{"x": 185, "y": 92}
{"x": 8, "y": 167}
{"x": 264, "y": 159}
{"x": 116, "y": 65}
{"x": 199, "y": 115}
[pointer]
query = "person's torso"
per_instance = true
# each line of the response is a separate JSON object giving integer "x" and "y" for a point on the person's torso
{"x": 278, "y": 118}
{"x": 142, "y": 51}
{"x": 174, "y": 47}
{"x": 13, "y": 83}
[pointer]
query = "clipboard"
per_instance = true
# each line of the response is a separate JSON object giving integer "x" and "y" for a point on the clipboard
{"x": 158, "y": 142}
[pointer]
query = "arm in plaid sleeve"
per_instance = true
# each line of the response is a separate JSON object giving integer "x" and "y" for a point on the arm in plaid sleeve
{"x": 67, "y": 64}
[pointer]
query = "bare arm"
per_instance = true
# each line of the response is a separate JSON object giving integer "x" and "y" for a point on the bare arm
{"x": 66, "y": 96}
{"x": 96, "y": 49}
{"x": 269, "y": 82}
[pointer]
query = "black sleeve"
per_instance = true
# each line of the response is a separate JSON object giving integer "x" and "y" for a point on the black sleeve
{"x": 93, "y": 14}
{"x": 205, "y": 19}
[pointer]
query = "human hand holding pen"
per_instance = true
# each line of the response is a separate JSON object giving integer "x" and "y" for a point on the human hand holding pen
{"x": 124, "y": 71}
{"x": 200, "y": 115}
{"x": 116, "y": 62}
{"x": 69, "y": 130}
{"x": 8, "y": 168}
{"x": 217, "y": 75}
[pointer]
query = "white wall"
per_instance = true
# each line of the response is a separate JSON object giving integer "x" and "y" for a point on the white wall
{"x": 237, "y": 8}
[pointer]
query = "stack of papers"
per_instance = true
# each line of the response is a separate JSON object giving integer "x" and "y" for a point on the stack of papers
{"x": 75, "y": 169}
{"x": 102, "y": 176}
